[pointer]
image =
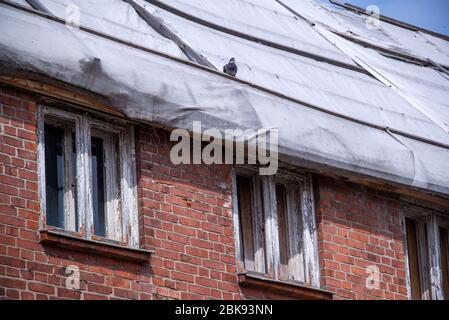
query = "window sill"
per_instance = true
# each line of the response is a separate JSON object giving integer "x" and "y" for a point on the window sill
{"x": 283, "y": 288}
{"x": 62, "y": 240}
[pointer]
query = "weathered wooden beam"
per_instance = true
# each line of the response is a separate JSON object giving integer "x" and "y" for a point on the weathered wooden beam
{"x": 64, "y": 94}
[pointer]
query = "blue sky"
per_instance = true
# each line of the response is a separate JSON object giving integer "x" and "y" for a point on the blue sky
{"x": 429, "y": 14}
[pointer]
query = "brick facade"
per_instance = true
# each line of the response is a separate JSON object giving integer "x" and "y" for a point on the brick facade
{"x": 359, "y": 227}
{"x": 186, "y": 218}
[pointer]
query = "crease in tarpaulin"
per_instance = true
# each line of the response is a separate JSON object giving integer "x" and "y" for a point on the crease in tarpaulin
{"x": 340, "y": 44}
{"x": 95, "y": 61}
{"x": 432, "y": 42}
{"x": 419, "y": 176}
{"x": 441, "y": 70}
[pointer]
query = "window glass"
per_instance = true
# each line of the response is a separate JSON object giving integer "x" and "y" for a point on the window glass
{"x": 245, "y": 202}
{"x": 281, "y": 203}
{"x": 74, "y": 182}
{"x": 106, "y": 188}
{"x": 54, "y": 175}
{"x": 98, "y": 188}
{"x": 413, "y": 259}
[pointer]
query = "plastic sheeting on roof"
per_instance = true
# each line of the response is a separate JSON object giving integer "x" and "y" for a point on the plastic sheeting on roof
{"x": 263, "y": 19}
{"x": 113, "y": 17}
{"x": 424, "y": 88}
{"x": 151, "y": 88}
{"x": 334, "y": 88}
{"x": 440, "y": 45}
{"x": 388, "y": 36}
{"x": 22, "y": 2}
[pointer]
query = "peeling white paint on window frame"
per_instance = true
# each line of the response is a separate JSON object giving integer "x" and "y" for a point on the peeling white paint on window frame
{"x": 268, "y": 262}
{"x": 125, "y": 209}
{"x": 431, "y": 273}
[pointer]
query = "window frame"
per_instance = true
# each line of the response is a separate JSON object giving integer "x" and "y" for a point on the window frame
{"x": 63, "y": 121}
{"x": 422, "y": 226}
{"x": 267, "y": 261}
{"x": 428, "y": 220}
{"x": 84, "y": 123}
{"x": 445, "y": 225}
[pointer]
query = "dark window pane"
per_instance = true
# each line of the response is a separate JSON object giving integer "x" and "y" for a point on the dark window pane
{"x": 75, "y": 182}
{"x": 413, "y": 259}
{"x": 54, "y": 176}
{"x": 244, "y": 187}
{"x": 98, "y": 187}
{"x": 261, "y": 231}
{"x": 444, "y": 261}
{"x": 281, "y": 201}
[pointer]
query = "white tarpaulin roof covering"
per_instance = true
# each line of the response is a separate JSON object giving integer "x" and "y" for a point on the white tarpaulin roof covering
{"x": 388, "y": 35}
{"x": 264, "y": 19}
{"x": 354, "y": 109}
{"x": 311, "y": 81}
{"x": 22, "y": 2}
{"x": 115, "y": 18}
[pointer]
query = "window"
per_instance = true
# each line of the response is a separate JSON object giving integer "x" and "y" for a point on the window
{"x": 60, "y": 154}
{"x": 87, "y": 176}
{"x": 426, "y": 242}
{"x": 416, "y": 255}
{"x": 246, "y": 205}
{"x": 276, "y": 226}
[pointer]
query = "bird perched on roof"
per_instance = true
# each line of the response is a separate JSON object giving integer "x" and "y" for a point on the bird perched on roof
{"x": 231, "y": 68}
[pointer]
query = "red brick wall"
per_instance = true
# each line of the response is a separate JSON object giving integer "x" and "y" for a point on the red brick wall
{"x": 185, "y": 216}
{"x": 359, "y": 227}
{"x": 27, "y": 269}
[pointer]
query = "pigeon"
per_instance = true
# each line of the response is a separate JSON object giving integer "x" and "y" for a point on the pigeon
{"x": 231, "y": 68}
